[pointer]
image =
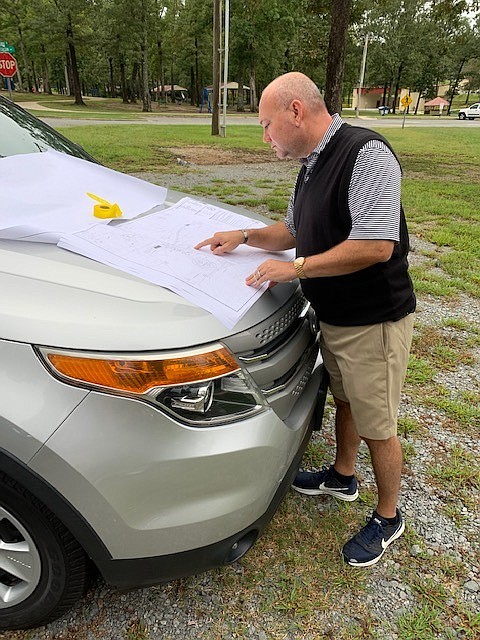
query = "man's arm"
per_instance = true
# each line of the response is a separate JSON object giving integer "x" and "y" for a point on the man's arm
{"x": 347, "y": 257}
{"x": 275, "y": 237}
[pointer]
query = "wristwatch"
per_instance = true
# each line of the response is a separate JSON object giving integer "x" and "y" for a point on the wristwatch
{"x": 298, "y": 264}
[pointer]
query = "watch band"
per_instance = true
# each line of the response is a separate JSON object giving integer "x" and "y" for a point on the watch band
{"x": 245, "y": 236}
{"x": 298, "y": 264}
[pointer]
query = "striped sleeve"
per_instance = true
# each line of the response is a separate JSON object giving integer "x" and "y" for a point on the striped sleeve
{"x": 374, "y": 194}
{"x": 289, "y": 223}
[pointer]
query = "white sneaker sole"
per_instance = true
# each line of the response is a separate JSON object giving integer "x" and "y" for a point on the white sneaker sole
{"x": 328, "y": 492}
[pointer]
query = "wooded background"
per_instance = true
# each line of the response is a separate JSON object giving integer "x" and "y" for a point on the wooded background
{"x": 126, "y": 48}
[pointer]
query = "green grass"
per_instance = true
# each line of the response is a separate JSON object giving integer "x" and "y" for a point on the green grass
{"x": 441, "y": 187}
{"x": 135, "y": 148}
{"x": 294, "y": 573}
{"x": 457, "y": 473}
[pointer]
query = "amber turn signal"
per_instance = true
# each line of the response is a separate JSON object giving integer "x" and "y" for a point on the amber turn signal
{"x": 139, "y": 376}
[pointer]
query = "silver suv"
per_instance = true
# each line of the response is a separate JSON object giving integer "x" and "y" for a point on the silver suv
{"x": 139, "y": 436}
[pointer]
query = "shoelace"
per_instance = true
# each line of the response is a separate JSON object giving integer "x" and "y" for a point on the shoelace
{"x": 373, "y": 529}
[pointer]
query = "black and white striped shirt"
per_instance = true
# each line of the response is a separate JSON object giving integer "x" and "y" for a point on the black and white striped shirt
{"x": 373, "y": 193}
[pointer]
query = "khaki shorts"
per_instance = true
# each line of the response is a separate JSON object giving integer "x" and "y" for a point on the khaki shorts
{"x": 367, "y": 367}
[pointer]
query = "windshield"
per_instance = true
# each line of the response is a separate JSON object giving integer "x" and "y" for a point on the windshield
{"x": 21, "y": 132}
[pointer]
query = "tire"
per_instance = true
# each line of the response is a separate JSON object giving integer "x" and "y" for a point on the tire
{"x": 461, "y": 116}
{"x": 43, "y": 570}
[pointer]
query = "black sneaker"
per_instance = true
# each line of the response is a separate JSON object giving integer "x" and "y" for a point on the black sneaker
{"x": 325, "y": 482}
{"x": 371, "y": 542}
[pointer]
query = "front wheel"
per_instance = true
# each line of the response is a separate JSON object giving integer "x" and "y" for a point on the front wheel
{"x": 461, "y": 116}
{"x": 43, "y": 570}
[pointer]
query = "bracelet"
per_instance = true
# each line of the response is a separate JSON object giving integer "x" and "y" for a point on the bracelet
{"x": 245, "y": 235}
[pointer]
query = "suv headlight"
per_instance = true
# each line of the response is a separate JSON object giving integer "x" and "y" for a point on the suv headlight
{"x": 201, "y": 387}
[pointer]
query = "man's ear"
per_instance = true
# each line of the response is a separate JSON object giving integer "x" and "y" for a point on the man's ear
{"x": 298, "y": 111}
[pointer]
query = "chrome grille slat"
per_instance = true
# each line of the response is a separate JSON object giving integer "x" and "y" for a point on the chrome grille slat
{"x": 306, "y": 364}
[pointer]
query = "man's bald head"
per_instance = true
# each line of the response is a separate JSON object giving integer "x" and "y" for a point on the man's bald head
{"x": 295, "y": 86}
{"x": 293, "y": 115}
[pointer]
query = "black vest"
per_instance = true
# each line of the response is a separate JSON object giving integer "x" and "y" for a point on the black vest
{"x": 322, "y": 220}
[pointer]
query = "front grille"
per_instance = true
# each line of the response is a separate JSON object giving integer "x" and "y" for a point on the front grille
{"x": 280, "y": 353}
{"x": 280, "y": 326}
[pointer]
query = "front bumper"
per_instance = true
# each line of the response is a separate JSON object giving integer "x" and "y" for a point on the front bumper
{"x": 149, "y": 520}
{"x": 144, "y": 572}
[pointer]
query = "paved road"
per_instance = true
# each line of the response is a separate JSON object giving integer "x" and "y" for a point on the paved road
{"x": 252, "y": 120}
{"x": 249, "y": 119}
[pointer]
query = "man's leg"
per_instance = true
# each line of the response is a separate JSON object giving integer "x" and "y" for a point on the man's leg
{"x": 347, "y": 439}
{"x": 386, "y": 524}
{"x": 387, "y": 464}
{"x": 339, "y": 479}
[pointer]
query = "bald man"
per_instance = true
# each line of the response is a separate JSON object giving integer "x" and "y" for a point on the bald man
{"x": 347, "y": 224}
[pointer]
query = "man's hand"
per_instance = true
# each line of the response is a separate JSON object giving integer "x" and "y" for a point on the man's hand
{"x": 273, "y": 271}
{"x": 223, "y": 242}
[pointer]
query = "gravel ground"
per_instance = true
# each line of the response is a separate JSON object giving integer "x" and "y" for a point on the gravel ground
{"x": 185, "y": 610}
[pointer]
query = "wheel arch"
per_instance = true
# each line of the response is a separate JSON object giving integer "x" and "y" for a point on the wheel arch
{"x": 57, "y": 504}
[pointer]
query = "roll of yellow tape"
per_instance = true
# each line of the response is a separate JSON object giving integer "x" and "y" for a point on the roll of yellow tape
{"x": 106, "y": 211}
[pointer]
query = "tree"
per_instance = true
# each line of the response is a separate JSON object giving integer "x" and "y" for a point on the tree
{"x": 339, "y": 21}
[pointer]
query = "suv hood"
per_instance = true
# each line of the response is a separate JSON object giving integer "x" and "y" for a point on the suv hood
{"x": 56, "y": 298}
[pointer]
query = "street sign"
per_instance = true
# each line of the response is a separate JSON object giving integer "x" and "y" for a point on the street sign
{"x": 8, "y": 65}
{"x": 406, "y": 101}
{"x": 4, "y": 46}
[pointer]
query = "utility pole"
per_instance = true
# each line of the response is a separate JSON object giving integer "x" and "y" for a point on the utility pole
{"x": 362, "y": 75}
{"x": 223, "y": 128}
{"x": 216, "y": 66}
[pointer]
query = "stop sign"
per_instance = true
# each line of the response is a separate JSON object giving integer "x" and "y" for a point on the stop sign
{"x": 8, "y": 65}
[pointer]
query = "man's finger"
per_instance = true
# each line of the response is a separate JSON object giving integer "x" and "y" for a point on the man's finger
{"x": 204, "y": 243}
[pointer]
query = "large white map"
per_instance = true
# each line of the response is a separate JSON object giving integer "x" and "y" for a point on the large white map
{"x": 159, "y": 248}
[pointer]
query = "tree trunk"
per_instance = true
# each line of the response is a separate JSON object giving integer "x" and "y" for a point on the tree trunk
{"x": 68, "y": 74}
{"x": 385, "y": 94}
{"x": 133, "y": 83}
{"x": 193, "y": 91}
{"x": 240, "y": 98}
{"x": 73, "y": 60}
{"x": 34, "y": 74}
{"x": 123, "y": 81}
{"x": 112, "y": 79}
{"x": 455, "y": 86}
{"x": 197, "y": 79}
{"x": 172, "y": 83}
{"x": 253, "y": 91}
{"x": 146, "y": 97}
{"x": 397, "y": 87}
{"x": 161, "y": 93}
{"x": 340, "y": 17}
{"x": 47, "y": 87}
{"x": 418, "y": 101}
{"x": 24, "y": 58}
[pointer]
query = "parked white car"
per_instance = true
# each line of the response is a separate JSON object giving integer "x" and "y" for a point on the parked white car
{"x": 139, "y": 436}
{"x": 471, "y": 112}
